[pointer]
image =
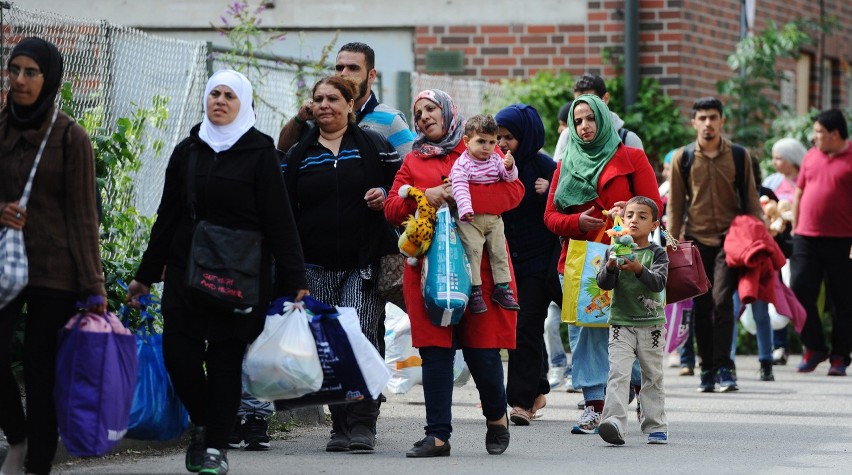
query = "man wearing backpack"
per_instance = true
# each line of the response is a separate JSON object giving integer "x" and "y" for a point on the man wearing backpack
{"x": 594, "y": 84}
{"x": 712, "y": 182}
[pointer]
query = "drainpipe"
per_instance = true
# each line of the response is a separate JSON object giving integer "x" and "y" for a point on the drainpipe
{"x": 631, "y": 52}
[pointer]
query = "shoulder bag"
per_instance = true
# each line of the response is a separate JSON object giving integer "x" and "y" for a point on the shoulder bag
{"x": 687, "y": 278}
{"x": 223, "y": 271}
{"x": 14, "y": 266}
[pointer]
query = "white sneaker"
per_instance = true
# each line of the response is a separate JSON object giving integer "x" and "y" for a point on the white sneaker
{"x": 674, "y": 360}
{"x": 588, "y": 422}
{"x": 556, "y": 376}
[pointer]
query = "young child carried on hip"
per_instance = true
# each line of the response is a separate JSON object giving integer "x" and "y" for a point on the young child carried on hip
{"x": 637, "y": 325}
{"x": 481, "y": 164}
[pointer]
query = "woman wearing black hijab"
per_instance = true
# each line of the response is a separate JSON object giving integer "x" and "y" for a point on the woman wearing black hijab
{"x": 60, "y": 225}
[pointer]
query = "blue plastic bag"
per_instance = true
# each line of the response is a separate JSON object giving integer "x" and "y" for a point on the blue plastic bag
{"x": 157, "y": 413}
{"x": 446, "y": 273}
{"x": 95, "y": 378}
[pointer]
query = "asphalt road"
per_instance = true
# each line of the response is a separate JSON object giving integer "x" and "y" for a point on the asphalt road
{"x": 801, "y": 423}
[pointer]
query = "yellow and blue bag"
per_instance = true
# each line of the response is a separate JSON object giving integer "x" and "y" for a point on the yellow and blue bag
{"x": 584, "y": 303}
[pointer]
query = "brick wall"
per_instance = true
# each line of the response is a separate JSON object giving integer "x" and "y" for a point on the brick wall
{"x": 683, "y": 43}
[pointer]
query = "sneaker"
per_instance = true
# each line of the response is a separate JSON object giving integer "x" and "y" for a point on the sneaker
{"x": 810, "y": 360}
{"x": 255, "y": 432}
{"x": 215, "y": 463}
{"x": 476, "y": 304}
{"x": 838, "y": 366}
{"x": 658, "y": 438}
{"x": 556, "y": 376}
{"x": 610, "y": 432}
{"x": 581, "y": 404}
{"x": 569, "y": 387}
{"x": 708, "y": 383}
{"x": 779, "y": 356}
{"x": 496, "y": 438}
{"x": 686, "y": 371}
{"x": 504, "y": 298}
{"x": 235, "y": 440}
{"x": 339, "y": 442}
{"x": 196, "y": 450}
{"x": 727, "y": 380}
{"x": 588, "y": 422}
{"x": 766, "y": 371}
{"x": 674, "y": 360}
{"x": 361, "y": 439}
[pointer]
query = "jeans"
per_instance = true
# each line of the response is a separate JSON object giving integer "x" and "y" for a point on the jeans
{"x": 527, "y": 370}
{"x": 779, "y": 339}
{"x": 814, "y": 258}
{"x": 714, "y": 311}
{"x": 250, "y": 405}
{"x": 760, "y": 311}
{"x": 485, "y": 367}
{"x": 687, "y": 351}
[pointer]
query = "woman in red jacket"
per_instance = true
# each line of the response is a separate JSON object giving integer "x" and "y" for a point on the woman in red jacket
{"x": 598, "y": 173}
{"x": 437, "y": 146}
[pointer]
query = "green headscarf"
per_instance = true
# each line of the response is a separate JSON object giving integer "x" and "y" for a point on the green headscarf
{"x": 584, "y": 161}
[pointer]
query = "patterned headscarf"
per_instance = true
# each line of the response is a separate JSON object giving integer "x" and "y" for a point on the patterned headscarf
{"x": 584, "y": 161}
{"x": 453, "y": 131}
{"x": 223, "y": 137}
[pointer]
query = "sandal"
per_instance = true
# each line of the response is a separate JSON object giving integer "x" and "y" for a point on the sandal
{"x": 539, "y": 404}
{"x": 520, "y": 416}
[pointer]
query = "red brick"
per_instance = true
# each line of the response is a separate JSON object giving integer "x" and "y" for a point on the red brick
{"x": 646, "y": 37}
{"x": 494, "y": 29}
{"x": 557, "y": 60}
{"x": 594, "y": 28}
{"x": 539, "y": 29}
{"x": 576, "y": 39}
{"x": 478, "y": 61}
{"x": 526, "y": 39}
{"x": 462, "y": 30}
{"x": 572, "y": 28}
{"x": 519, "y": 50}
{"x": 669, "y": 37}
{"x": 421, "y": 29}
{"x": 667, "y": 15}
{"x": 542, "y": 49}
{"x": 643, "y": 4}
{"x": 502, "y": 39}
{"x": 478, "y": 40}
{"x": 534, "y": 61}
{"x": 643, "y": 16}
{"x": 572, "y": 50}
{"x": 455, "y": 40}
{"x": 597, "y": 16}
{"x": 493, "y": 72}
{"x": 427, "y": 40}
{"x": 611, "y": 27}
{"x": 503, "y": 61}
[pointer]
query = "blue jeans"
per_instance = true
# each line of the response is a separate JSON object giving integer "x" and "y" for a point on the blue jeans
{"x": 485, "y": 367}
{"x": 687, "y": 351}
{"x": 760, "y": 311}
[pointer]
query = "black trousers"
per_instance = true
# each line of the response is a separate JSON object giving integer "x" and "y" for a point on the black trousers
{"x": 212, "y": 397}
{"x": 714, "y": 311}
{"x": 48, "y": 310}
{"x": 813, "y": 259}
{"x": 527, "y": 373}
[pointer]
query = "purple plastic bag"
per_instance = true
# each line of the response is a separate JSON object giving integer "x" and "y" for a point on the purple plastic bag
{"x": 678, "y": 322}
{"x": 95, "y": 381}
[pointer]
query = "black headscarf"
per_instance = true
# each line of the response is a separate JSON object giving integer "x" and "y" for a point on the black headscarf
{"x": 49, "y": 60}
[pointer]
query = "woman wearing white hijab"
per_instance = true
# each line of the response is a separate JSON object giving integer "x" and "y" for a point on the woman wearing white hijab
{"x": 238, "y": 184}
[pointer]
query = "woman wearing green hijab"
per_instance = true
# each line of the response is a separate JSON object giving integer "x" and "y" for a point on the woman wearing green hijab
{"x": 597, "y": 173}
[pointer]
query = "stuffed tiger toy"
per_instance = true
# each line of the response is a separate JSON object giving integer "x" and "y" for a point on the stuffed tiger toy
{"x": 419, "y": 229}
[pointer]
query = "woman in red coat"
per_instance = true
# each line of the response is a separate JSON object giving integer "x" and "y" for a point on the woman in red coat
{"x": 438, "y": 145}
{"x": 597, "y": 173}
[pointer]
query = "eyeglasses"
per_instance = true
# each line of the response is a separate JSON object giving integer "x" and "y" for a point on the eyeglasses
{"x": 29, "y": 73}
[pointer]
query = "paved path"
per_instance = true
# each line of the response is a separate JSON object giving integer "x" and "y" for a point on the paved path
{"x": 799, "y": 424}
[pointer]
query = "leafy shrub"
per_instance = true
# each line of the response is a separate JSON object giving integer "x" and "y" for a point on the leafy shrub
{"x": 547, "y": 92}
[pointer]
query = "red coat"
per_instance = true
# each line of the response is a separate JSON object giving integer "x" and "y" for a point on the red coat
{"x": 496, "y": 327}
{"x": 748, "y": 245}
{"x": 613, "y": 186}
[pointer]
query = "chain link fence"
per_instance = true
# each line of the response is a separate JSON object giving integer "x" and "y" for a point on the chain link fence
{"x": 471, "y": 96}
{"x": 115, "y": 70}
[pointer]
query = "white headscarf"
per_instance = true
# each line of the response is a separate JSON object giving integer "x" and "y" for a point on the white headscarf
{"x": 222, "y": 137}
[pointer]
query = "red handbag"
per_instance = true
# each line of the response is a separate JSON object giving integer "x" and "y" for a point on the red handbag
{"x": 687, "y": 278}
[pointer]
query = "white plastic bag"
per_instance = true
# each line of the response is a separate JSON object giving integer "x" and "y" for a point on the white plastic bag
{"x": 402, "y": 359}
{"x": 283, "y": 363}
{"x": 373, "y": 368}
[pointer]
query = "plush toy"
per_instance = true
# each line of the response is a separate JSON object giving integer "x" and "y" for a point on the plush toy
{"x": 778, "y": 214}
{"x": 419, "y": 229}
{"x": 622, "y": 241}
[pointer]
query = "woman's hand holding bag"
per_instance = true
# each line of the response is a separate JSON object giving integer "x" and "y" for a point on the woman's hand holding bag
{"x": 283, "y": 362}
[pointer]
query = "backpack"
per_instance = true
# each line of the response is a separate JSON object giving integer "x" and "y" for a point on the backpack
{"x": 622, "y": 134}
{"x": 739, "y": 154}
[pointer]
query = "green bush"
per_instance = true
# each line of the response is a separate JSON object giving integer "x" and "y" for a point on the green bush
{"x": 547, "y": 92}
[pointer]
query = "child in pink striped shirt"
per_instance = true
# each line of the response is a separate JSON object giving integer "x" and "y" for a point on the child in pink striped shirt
{"x": 480, "y": 163}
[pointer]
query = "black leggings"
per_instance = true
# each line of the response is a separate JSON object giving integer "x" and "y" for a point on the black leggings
{"x": 212, "y": 399}
{"x": 47, "y": 311}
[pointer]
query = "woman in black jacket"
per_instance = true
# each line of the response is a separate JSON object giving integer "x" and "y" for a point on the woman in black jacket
{"x": 238, "y": 185}
{"x": 338, "y": 177}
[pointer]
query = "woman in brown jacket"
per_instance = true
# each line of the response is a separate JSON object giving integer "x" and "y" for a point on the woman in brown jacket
{"x": 60, "y": 225}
